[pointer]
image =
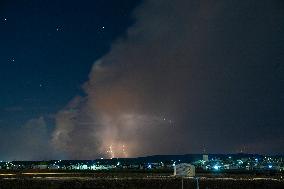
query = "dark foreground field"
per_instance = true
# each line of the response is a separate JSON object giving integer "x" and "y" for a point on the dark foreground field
{"x": 132, "y": 181}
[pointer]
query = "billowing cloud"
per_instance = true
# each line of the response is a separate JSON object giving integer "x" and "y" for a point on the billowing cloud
{"x": 188, "y": 74}
{"x": 29, "y": 142}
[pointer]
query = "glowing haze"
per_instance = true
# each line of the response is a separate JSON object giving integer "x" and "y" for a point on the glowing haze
{"x": 177, "y": 81}
{"x": 136, "y": 91}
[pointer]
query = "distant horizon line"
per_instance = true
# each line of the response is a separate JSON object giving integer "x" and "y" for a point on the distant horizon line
{"x": 149, "y": 156}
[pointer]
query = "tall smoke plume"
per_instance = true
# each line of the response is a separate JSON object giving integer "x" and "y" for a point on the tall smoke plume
{"x": 173, "y": 84}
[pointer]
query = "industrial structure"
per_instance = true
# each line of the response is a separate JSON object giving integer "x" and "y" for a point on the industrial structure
{"x": 184, "y": 170}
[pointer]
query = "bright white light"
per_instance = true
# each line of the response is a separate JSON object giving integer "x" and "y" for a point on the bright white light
{"x": 240, "y": 162}
{"x": 269, "y": 166}
{"x": 84, "y": 167}
{"x": 216, "y": 167}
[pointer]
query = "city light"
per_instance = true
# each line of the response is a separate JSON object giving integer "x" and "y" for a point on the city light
{"x": 216, "y": 167}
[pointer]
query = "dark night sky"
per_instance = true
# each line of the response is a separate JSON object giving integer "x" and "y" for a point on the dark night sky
{"x": 47, "y": 50}
{"x": 140, "y": 77}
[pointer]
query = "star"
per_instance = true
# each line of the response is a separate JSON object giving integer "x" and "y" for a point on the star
{"x": 58, "y": 28}
{"x": 12, "y": 60}
{"x": 101, "y": 29}
{"x": 4, "y": 20}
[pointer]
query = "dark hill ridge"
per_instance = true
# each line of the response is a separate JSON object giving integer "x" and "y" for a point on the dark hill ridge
{"x": 188, "y": 158}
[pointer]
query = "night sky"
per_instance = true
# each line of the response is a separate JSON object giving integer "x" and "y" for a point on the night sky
{"x": 108, "y": 78}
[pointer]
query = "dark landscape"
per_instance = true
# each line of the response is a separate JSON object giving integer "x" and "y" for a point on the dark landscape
{"x": 138, "y": 181}
{"x": 234, "y": 171}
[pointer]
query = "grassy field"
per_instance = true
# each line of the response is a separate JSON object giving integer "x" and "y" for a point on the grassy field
{"x": 34, "y": 179}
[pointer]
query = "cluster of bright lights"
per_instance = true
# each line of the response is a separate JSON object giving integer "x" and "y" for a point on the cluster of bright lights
{"x": 240, "y": 162}
{"x": 56, "y": 163}
{"x": 117, "y": 151}
{"x": 217, "y": 167}
{"x": 124, "y": 151}
{"x": 8, "y": 164}
{"x": 110, "y": 152}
